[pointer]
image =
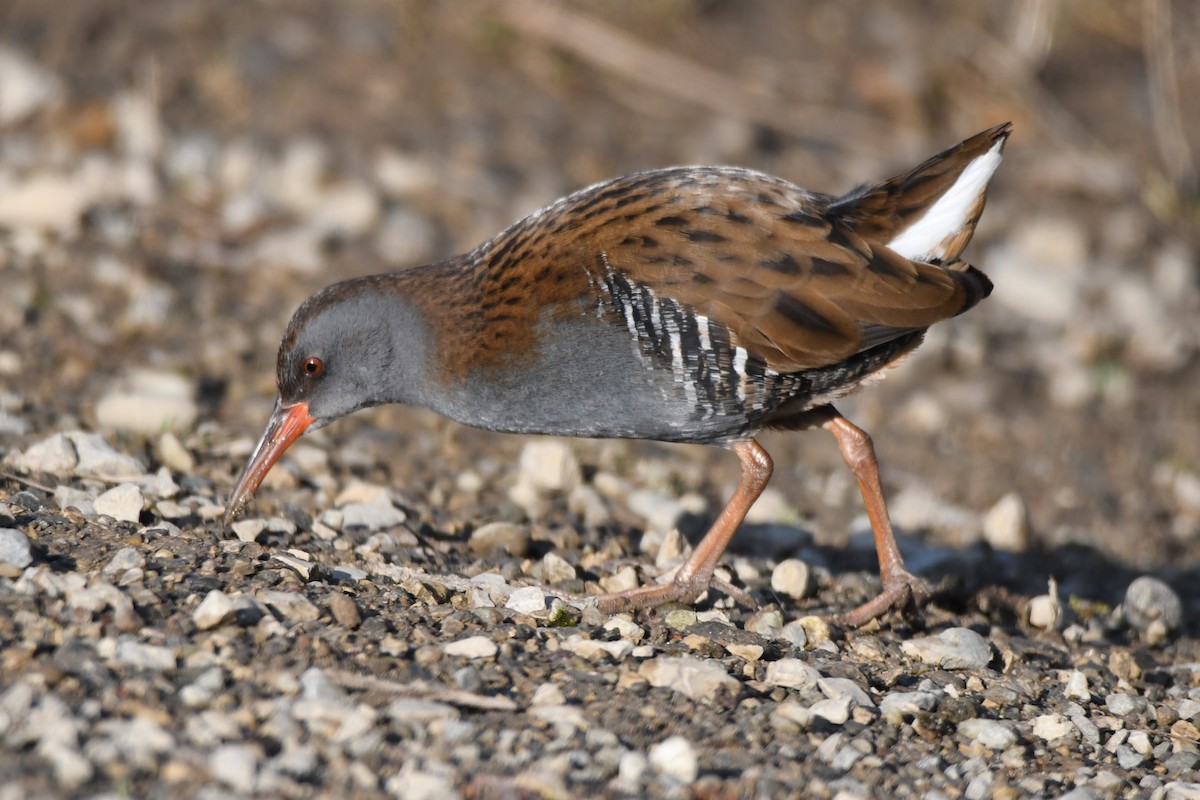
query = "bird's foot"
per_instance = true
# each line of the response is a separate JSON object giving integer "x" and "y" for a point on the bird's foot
{"x": 901, "y": 590}
{"x": 677, "y": 591}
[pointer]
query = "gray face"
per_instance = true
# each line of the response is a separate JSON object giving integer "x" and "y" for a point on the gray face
{"x": 350, "y": 354}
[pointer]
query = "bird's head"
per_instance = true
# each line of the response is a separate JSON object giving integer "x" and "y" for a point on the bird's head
{"x": 347, "y": 347}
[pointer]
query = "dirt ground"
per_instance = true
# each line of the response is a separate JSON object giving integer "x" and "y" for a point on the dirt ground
{"x": 176, "y": 177}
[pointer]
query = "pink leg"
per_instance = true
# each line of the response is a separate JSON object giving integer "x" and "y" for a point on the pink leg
{"x": 900, "y": 588}
{"x": 697, "y": 572}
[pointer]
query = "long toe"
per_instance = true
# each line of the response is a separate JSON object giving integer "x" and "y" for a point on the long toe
{"x": 650, "y": 596}
{"x": 901, "y": 590}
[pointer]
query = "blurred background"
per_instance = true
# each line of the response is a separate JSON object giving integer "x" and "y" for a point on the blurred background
{"x": 176, "y": 177}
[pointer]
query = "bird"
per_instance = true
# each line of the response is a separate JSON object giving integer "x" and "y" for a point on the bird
{"x": 698, "y": 304}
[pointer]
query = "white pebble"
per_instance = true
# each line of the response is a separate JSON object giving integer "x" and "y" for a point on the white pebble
{"x": 215, "y": 609}
{"x": 14, "y": 548}
{"x": 471, "y": 647}
{"x": 791, "y": 577}
{"x": 148, "y": 402}
{"x": 527, "y": 600}
{"x": 1005, "y": 525}
{"x": 124, "y": 502}
{"x": 676, "y": 758}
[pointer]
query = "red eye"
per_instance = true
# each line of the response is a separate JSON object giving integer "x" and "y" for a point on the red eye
{"x": 313, "y": 367}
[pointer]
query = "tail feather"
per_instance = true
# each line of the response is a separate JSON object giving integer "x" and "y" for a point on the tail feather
{"x": 929, "y": 213}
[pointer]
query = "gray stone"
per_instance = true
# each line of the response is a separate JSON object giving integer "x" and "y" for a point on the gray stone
{"x": 54, "y": 455}
{"x": 373, "y": 515}
{"x": 292, "y": 606}
{"x": 791, "y": 673}
{"x": 834, "y": 710}
{"x": 471, "y": 647}
{"x": 123, "y": 560}
{"x": 500, "y": 537}
{"x": 14, "y": 548}
{"x": 98, "y": 459}
{"x": 1153, "y": 608}
{"x": 148, "y": 402}
{"x": 1053, "y": 726}
{"x": 124, "y": 502}
{"x": 25, "y": 87}
{"x": 896, "y": 705}
{"x": 248, "y": 530}
{"x": 699, "y": 679}
{"x": 791, "y": 577}
{"x": 990, "y": 733}
{"x": 236, "y": 766}
{"x": 215, "y": 609}
{"x": 844, "y": 687}
{"x": 1006, "y": 525}
{"x": 954, "y": 648}
{"x": 315, "y": 685}
{"x": 527, "y": 600}
{"x": 675, "y": 757}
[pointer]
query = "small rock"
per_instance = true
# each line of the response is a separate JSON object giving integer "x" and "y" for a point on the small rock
{"x": 675, "y": 757}
{"x": 174, "y": 455}
{"x": 236, "y": 766}
{"x": 14, "y": 548}
{"x": 54, "y": 455}
{"x": 954, "y": 648}
{"x": 624, "y": 625}
{"x": 1153, "y": 609}
{"x": 990, "y": 733}
{"x": 844, "y": 687}
{"x": 630, "y": 769}
{"x": 124, "y": 502}
{"x": 215, "y": 609}
{"x": 315, "y": 685}
{"x": 1122, "y": 704}
{"x": 43, "y": 201}
{"x": 548, "y": 465}
{"x": 791, "y": 577}
{"x": 248, "y": 530}
{"x": 795, "y": 634}
{"x": 471, "y": 647}
{"x": 1005, "y": 526}
{"x": 548, "y": 694}
{"x": 123, "y": 560}
{"x": 699, "y": 679}
{"x": 292, "y": 606}
{"x": 1077, "y": 687}
{"x": 25, "y": 87}
{"x": 372, "y": 516}
{"x": 148, "y": 402}
{"x": 98, "y": 459}
{"x": 555, "y": 569}
{"x": 791, "y": 673}
{"x": 897, "y": 705}
{"x": 416, "y": 712}
{"x": 344, "y": 610}
{"x": 1053, "y": 726}
{"x": 138, "y": 655}
{"x": 592, "y": 649}
{"x": 527, "y": 600}
{"x": 746, "y": 652}
{"x": 766, "y": 622}
{"x": 834, "y": 710}
{"x": 1046, "y": 611}
{"x": 498, "y": 537}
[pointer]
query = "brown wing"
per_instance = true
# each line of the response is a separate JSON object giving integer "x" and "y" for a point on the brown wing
{"x": 796, "y": 286}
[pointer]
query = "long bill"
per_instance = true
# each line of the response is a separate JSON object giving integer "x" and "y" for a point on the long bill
{"x": 284, "y": 427}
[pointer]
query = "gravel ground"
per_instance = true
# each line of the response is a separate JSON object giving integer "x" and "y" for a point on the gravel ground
{"x": 386, "y": 618}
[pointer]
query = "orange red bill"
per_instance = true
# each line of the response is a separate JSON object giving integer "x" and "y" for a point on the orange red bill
{"x": 286, "y": 425}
